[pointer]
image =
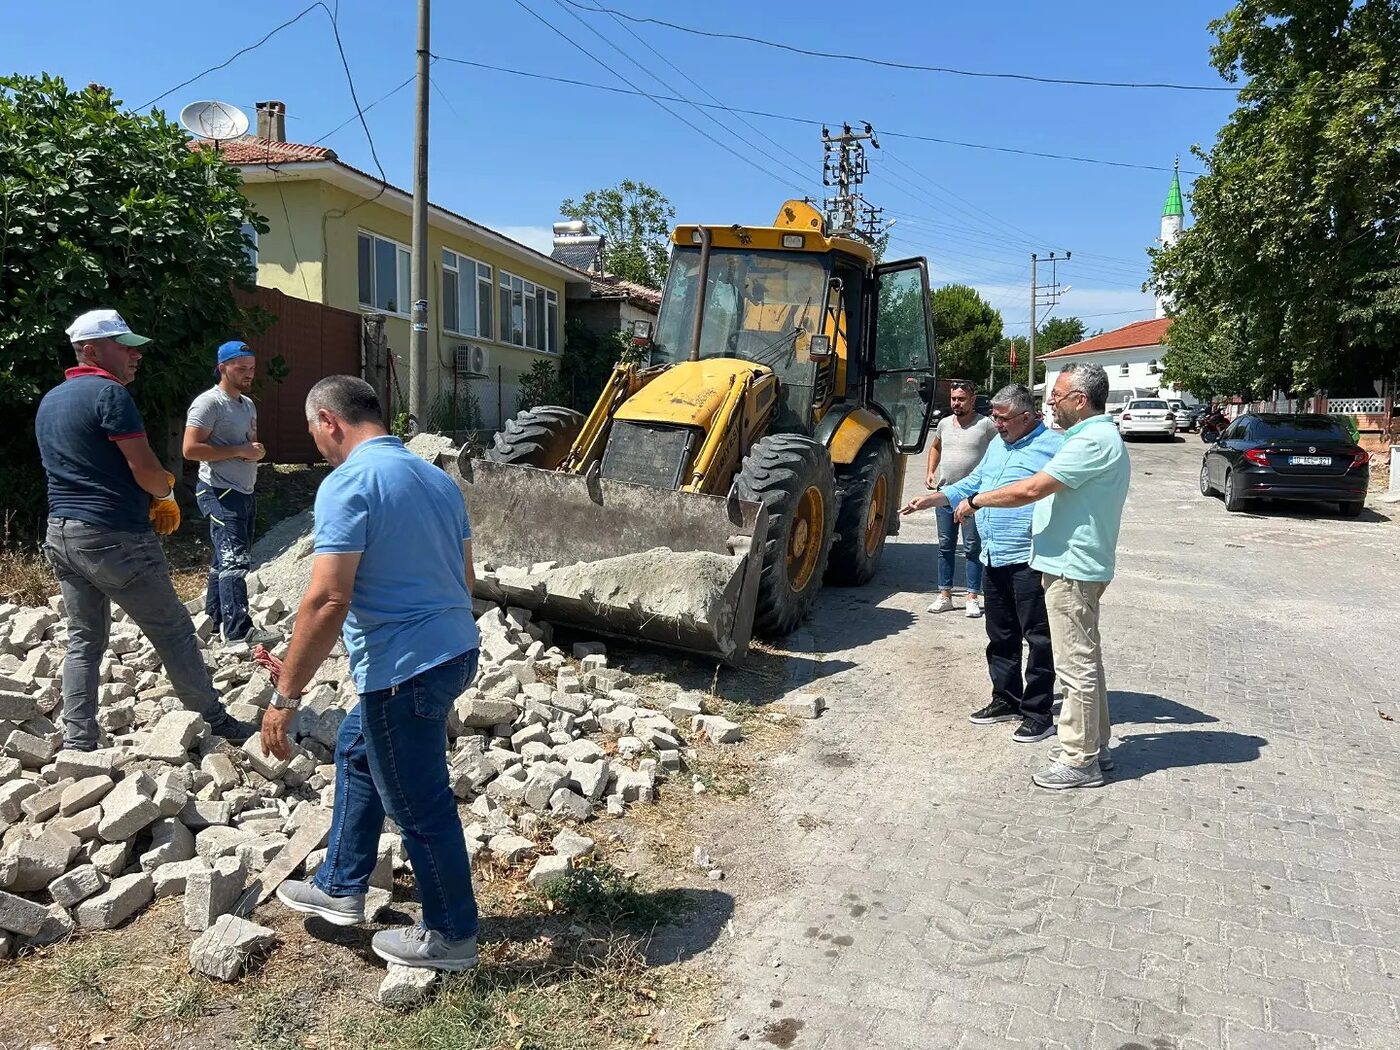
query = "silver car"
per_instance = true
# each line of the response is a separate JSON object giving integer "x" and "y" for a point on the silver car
{"x": 1147, "y": 416}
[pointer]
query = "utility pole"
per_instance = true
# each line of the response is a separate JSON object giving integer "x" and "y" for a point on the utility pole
{"x": 844, "y": 166}
{"x": 1046, "y": 295}
{"x": 418, "y": 337}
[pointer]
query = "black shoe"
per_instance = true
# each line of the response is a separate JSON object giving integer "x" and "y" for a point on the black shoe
{"x": 1030, "y": 730}
{"x": 260, "y": 636}
{"x": 232, "y": 730}
{"x": 996, "y": 711}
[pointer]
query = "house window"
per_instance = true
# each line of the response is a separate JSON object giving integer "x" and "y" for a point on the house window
{"x": 1122, "y": 370}
{"x": 250, "y": 244}
{"x": 529, "y": 314}
{"x": 384, "y": 274}
{"x": 466, "y": 296}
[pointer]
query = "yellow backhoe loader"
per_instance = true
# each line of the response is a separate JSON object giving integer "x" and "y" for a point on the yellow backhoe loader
{"x": 757, "y": 453}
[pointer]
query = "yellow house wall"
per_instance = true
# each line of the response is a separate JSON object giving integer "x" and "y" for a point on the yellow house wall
{"x": 497, "y": 393}
{"x": 290, "y": 253}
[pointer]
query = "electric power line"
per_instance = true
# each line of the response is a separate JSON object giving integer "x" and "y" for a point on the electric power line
{"x": 890, "y": 64}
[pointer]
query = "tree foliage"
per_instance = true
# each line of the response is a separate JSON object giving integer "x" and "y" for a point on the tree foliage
{"x": 635, "y": 221}
{"x": 1290, "y": 277}
{"x": 588, "y": 360}
{"x": 967, "y": 328}
{"x": 101, "y": 207}
{"x": 1058, "y": 332}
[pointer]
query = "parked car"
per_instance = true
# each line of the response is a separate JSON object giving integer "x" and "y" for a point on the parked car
{"x": 1181, "y": 412}
{"x": 1147, "y": 417}
{"x": 1194, "y": 415}
{"x": 1118, "y": 400}
{"x": 1265, "y": 455}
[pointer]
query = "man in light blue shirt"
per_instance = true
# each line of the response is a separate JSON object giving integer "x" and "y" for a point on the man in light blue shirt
{"x": 393, "y": 568}
{"x": 1078, "y": 499}
{"x": 1015, "y": 601}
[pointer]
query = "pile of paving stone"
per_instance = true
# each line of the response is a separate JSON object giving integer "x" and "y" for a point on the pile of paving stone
{"x": 166, "y": 809}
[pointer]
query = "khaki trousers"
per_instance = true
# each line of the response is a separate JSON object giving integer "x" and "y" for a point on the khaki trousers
{"x": 1073, "y": 609}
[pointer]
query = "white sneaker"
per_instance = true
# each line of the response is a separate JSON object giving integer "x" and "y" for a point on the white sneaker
{"x": 974, "y": 608}
{"x": 943, "y": 603}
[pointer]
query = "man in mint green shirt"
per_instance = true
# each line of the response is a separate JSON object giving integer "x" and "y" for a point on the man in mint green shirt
{"x": 1078, "y": 498}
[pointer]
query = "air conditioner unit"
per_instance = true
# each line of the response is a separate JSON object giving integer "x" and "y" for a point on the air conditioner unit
{"x": 471, "y": 360}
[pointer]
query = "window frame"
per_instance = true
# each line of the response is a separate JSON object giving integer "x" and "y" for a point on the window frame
{"x": 1123, "y": 370}
{"x": 478, "y": 281}
{"x": 401, "y": 249}
{"x": 535, "y": 301}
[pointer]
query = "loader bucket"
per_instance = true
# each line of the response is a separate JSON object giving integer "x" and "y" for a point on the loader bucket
{"x": 677, "y": 569}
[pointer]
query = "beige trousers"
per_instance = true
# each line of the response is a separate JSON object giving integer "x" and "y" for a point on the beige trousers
{"x": 1073, "y": 608}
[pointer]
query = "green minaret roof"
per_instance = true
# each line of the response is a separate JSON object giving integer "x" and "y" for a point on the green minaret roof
{"x": 1174, "y": 205}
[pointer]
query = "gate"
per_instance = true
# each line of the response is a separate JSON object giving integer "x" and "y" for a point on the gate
{"x": 309, "y": 341}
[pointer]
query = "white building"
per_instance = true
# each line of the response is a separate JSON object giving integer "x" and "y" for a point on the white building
{"x": 1132, "y": 355}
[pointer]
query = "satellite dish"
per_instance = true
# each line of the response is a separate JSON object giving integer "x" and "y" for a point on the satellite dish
{"x": 214, "y": 120}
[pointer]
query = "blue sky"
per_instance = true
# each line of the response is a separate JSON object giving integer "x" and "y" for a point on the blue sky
{"x": 506, "y": 149}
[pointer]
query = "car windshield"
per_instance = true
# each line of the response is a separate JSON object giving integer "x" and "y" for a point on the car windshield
{"x": 1298, "y": 428}
{"x": 1147, "y": 404}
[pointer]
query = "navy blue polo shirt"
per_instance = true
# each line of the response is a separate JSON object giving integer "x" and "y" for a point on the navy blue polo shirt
{"x": 78, "y": 426}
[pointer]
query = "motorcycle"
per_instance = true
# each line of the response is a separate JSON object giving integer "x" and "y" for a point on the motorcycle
{"x": 1213, "y": 424}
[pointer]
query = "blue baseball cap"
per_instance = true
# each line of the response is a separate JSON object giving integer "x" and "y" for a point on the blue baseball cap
{"x": 234, "y": 348}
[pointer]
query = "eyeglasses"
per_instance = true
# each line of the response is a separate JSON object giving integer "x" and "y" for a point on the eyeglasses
{"x": 1006, "y": 417}
{"x": 1054, "y": 400}
{"x": 959, "y": 384}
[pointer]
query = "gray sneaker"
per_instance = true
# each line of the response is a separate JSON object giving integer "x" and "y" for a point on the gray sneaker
{"x": 419, "y": 946}
{"x": 1106, "y": 762}
{"x": 1058, "y": 776}
{"x": 307, "y": 897}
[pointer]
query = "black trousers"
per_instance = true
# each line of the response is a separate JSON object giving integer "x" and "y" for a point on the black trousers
{"x": 1015, "y": 612}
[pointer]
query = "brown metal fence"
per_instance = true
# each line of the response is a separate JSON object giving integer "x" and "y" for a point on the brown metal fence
{"x": 309, "y": 341}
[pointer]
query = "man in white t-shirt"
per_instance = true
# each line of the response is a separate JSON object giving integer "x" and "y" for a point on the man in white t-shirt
{"x": 958, "y": 445}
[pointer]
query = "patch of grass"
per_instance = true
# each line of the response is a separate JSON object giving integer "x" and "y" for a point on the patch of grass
{"x": 275, "y": 1020}
{"x": 179, "y": 999}
{"x": 603, "y": 894}
{"x": 25, "y": 575}
{"x": 80, "y": 972}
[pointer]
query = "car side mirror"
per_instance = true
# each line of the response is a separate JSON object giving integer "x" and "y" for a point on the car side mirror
{"x": 819, "y": 347}
{"x": 927, "y": 387}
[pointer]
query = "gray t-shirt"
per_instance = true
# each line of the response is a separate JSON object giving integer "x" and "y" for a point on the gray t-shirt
{"x": 962, "y": 447}
{"x": 230, "y": 422}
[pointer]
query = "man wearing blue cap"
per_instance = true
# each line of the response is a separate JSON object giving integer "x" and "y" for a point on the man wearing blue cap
{"x": 221, "y": 434}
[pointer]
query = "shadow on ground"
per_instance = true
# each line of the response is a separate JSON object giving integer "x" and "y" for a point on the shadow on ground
{"x": 1144, "y": 753}
{"x": 1150, "y": 709}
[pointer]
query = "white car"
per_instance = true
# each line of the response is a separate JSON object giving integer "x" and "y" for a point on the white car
{"x": 1147, "y": 416}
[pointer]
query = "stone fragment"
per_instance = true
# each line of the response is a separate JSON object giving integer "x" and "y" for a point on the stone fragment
{"x": 172, "y": 794}
{"x": 20, "y": 915}
{"x": 549, "y": 869}
{"x": 83, "y": 794}
{"x": 170, "y": 879}
{"x": 128, "y": 808}
{"x": 571, "y": 844}
{"x": 32, "y": 751}
{"x": 224, "y": 949}
{"x": 221, "y": 769}
{"x": 78, "y": 885}
{"x": 126, "y": 896}
{"x": 203, "y": 813}
{"x": 481, "y": 713}
{"x": 580, "y": 751}
{"x": 221, "y": 841}
{"x": 635, "y": 786}
{"x": 12, "y": 795}
{"x": 267, "y": 765}
{"x": 257, "y": 854}
{"x": 406, "y": 986}
{"x": 171, "y": 842}
{"x": 212, "y": 893}
{"x": 510, "y": 847}
{"x": 566, "y": 803}
{"x": 83, "y": 764}
{"x": 33, "y": 863}
{"x": 542, "y": 781}
{"x": 589, "y": 779}
{"x": 686, "y": 706}
{"x": 110, "y": 858}
{"x": 57, "y": 926}
{"x": 716, "y": 729}
{"x": 171, "y": 738}
{"x": 16, "y": 707}
{"x": 805, "y": 705}
{"x": 27, "y": 627}
{"x": 44, "y": 803}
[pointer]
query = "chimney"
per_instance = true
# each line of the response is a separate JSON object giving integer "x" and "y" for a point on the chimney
{"x": 272, "y": 121}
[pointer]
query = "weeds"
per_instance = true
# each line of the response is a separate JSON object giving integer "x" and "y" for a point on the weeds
{"x": 276, "y": 1021}
{"x": 603, "y": 894}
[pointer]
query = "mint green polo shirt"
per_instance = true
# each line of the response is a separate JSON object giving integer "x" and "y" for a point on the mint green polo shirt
{"x": 1074, "y": 532}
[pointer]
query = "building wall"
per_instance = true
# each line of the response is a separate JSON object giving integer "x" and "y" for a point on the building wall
{"x": 1138, "y": 360}
{"x": 315, "y": 256}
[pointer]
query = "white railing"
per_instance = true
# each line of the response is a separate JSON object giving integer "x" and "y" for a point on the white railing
{"x": 1355, "y": 406}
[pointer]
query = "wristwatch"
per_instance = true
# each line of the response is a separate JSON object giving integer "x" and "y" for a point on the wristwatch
{"x": 972, "y": 500}
{"x": 284, "y": 703}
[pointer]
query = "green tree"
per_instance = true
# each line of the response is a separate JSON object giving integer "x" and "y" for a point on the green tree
{"x": 635, "y": 221}
{"x": 588, "y": 360}
{"x": 101, "y": 207}
{"x": 1290, "y": 277}
{"x": 1058, "y": 332}
{"x": 539, "y": 386}
{"x": 967, "y": 329}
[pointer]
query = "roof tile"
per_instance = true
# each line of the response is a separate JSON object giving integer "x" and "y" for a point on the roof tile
{"x": 1139, "y": 333}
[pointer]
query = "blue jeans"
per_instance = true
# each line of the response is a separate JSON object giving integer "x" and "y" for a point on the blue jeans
{"x": 230, "y": 515}
{"x": 391, "y": 759}
{"x": 948, "y": 548}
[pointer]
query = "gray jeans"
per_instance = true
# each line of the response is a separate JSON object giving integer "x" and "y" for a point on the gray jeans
{"x": 95, "y": 567}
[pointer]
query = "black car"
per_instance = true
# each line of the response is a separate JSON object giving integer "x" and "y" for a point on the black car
{"x": 1265, "y": 455}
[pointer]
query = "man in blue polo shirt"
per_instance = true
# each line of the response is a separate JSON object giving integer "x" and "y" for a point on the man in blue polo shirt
{"x": 108, "y": 497}
{"x": 1015, "y": 600}
{"x": 1078, "y": 499}
{"x": 393, "y": 567}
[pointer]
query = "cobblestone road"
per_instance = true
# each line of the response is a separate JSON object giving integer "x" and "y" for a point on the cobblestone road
{"x": 1233, "y": 885}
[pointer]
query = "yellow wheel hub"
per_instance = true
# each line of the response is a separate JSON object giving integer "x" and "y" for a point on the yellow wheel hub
{"x": 877, "y": 514}
{"x": 805, "y": 538}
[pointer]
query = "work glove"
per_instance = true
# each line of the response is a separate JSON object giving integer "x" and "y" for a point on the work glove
{"x": 165, "y": 513}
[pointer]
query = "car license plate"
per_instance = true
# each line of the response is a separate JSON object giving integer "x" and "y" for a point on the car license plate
{"x": 1310, "y": 461}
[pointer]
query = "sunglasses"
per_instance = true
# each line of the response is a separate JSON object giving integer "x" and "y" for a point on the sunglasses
{"x": 959, "y": 385}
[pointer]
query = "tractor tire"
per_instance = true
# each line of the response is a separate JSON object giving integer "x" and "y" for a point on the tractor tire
{"x": 538, "y": 437}
{"x": 792, "y": 477}
{"x": 863, "y": 522}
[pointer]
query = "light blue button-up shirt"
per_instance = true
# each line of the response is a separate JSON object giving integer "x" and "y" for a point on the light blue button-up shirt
{"x": 1006, "y": 531}
{"x": 1075, "y": 531}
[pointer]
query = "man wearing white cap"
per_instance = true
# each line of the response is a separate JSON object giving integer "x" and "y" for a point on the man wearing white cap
{"x": 108, "y": 497}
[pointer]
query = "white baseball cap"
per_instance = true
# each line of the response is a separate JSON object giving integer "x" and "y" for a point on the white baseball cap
{"x": 104, "y": 324}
